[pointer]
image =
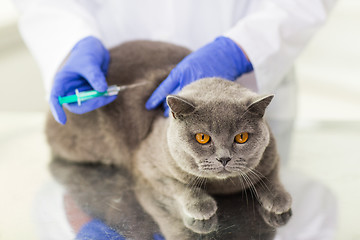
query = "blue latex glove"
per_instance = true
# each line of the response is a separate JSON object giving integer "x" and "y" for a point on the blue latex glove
{"x": 220, "y": 58}
{"x": 97, "y": 230}
{"x": 85, "y": 69}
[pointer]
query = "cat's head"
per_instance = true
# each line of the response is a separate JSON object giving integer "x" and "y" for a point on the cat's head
{"x": 217, "y": 128}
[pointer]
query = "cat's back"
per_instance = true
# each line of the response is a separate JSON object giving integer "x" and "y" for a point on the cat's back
{"x": 110, "y": 134}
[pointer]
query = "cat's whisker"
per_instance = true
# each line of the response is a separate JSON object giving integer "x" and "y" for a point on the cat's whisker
{"x": 245, "y": 190}
{"x": 241, "y": 179}
{"x": 248, "y": 183}
{"x": 259, "y": 173}
{"x": 197, "y": 182}
{"x": 259, "y": 181}
{"x": 113, "y": 207}
{"x": 194, "y": 184}
{"x": 204, "y": 181}
{"x": 264, "y": 178}
{"x": 226, "y": 228}
{"x": 252, "y": 186}
{"x": 240, "y": 161}
{"x": 260, "y": 177}
{"x": 252, "y": 190}
{"x": 232, "y": 181}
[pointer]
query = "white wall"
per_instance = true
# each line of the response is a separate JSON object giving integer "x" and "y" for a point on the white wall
{"x": 329, "y": 68}
{"x": 21, "y": 86}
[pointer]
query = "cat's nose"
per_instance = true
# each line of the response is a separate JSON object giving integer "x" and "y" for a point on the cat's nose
{"x": 224, "y": 160}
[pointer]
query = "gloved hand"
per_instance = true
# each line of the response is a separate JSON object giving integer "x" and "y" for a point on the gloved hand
{"x": 220, "y": 58}
{"x": 86, "y": 227}
{"x": 96, "y": 229}
{"x": 85, "y": 69}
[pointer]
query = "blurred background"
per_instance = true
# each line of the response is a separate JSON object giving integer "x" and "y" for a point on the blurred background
{"x": 325, "y": 144}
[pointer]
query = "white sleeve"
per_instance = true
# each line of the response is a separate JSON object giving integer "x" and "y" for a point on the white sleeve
{"x": 274, "y": 32}
{"x": 50, "y": 29}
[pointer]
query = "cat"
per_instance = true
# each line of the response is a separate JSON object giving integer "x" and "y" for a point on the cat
{"x": 215, "y": 143}
{"x": 106, "y": 192}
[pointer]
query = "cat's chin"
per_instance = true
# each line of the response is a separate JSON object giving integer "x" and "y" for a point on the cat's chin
{"x": 224, "y": 174}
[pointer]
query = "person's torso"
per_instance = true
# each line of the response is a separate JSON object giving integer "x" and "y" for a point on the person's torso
{"x": 184, "y": 22}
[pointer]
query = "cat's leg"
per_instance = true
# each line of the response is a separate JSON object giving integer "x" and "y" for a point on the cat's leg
{"x": 196, "y": 203}
{"x": 198, "y": 211}
{"x": 163, "y": 209}
{"x": 196, "y": 208}
{"x": 274, "y": 199}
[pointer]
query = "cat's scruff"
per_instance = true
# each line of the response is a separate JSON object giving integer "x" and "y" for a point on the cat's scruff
{"x": 215, "y": 141}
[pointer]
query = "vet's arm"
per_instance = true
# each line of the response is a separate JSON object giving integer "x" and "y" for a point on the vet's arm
{"x": 53, "y": 30}
{"x": 220, "y": 58}
{"x": 275, "y": 32}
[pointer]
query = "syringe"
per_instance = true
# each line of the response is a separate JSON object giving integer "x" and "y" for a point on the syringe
{"x": 80, "y": 97}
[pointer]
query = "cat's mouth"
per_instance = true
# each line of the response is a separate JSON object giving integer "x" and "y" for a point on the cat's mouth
{"x": 220, "y": 171}
{"x": 224, "y": 173}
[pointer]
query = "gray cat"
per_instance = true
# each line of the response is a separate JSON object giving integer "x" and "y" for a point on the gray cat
{"x": 215, "y": 145}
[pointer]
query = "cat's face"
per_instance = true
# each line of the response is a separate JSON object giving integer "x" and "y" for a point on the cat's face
{"x": 217, "y": 135}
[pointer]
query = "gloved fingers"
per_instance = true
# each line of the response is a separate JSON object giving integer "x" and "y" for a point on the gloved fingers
{"x": 160, "y": 93}
{"x": 66, "y": 83}
{"x": 166, "y": 106}
{"x": 57, "y": 110}
{"x": 97, "y": 229}
{"x": 158, "y": 236}
{"x": 89, "y": 59}
{"x": 89, "y": 105}
{"x": 95, "y": 77}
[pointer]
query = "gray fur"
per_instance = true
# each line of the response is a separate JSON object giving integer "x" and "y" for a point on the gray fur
{"x": 175, "y": 179}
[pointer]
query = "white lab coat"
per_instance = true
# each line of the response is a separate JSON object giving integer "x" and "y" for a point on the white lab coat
{"x": 272, "y": 33}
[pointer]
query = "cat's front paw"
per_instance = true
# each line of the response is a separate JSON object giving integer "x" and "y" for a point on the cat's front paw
{"x": 200, "y": 209}
{"x": 276, "y": 209}
{"x": 201, "y": 226}
{"x": 278, "y": 203}
{"x": 275, "y": 220}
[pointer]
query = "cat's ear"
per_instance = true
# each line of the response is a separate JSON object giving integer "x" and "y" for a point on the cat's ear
{"x": 179, "y": 106}
{"x": 259, "y": 106}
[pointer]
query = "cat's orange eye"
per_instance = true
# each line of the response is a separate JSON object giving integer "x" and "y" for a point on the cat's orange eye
{"x": 242, "y": 137}
{"x": 202, "y": 138}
